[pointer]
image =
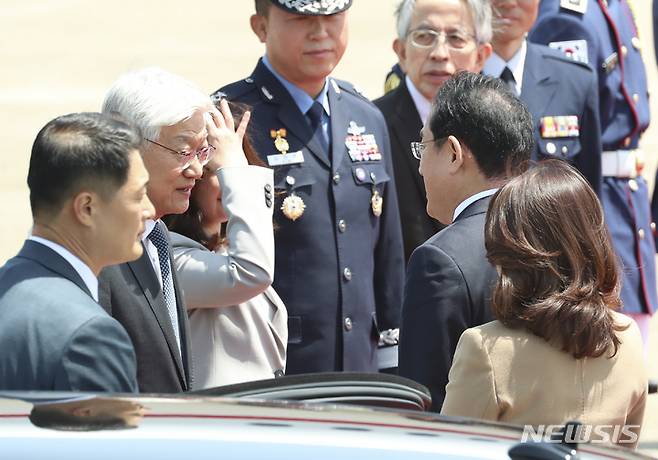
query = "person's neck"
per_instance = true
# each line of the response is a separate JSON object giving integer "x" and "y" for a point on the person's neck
{"x": 507, "y": 50}
{"x": 311, "y": 87}
{"x": 69, "y": 240}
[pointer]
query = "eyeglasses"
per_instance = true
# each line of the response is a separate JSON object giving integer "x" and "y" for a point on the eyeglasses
{"x": 418, "y": 148}
{"x": 456, "y": 40}
{"x": 186, "y": 158}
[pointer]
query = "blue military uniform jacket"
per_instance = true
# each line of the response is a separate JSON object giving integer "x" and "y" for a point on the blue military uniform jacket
{"x": 604, "y": 35}
{"x": 339, "y": 267}
{"x": 559, "y": 91}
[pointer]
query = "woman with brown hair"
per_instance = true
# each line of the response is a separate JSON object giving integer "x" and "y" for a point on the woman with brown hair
{"x": 224, "y": 256}
{"x": 558, "y": 350}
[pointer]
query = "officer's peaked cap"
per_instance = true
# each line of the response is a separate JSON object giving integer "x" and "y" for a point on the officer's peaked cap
{"x": 313, "y": 7}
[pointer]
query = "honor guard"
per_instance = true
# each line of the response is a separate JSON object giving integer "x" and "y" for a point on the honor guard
{"x": 603, "y": 34}
{"x": 339, "y": 263}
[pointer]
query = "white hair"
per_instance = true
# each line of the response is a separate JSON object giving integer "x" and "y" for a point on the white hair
{"x": 480, "y": 11}
{"x": 151, "y": 98}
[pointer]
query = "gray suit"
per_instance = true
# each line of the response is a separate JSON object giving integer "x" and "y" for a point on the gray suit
{"x": 131, "y": 293}
{"x": 53, "y": 336}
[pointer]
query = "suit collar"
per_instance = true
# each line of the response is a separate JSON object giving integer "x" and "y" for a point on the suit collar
{"x": 479, "y": 206}
{"x": 53, "y": 261}
{"x": 273, "y": 92}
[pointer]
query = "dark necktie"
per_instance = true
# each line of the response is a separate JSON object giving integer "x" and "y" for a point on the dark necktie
{"x": 314, "y": 115}
{"x": 508, "y": 77}
{"x": 159, "y": 240}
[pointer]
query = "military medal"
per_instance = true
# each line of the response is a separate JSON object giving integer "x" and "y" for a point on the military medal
{"x": 376, "y": 203}
{"x": 293, "y": 207}
{"x": 360, "y": 146}
{"x": 280, "y": 142}
{"x": 282, "y": 146}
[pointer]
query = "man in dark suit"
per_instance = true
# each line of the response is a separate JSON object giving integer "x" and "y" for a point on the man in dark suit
{"x": 339, "y": 264}
{"x": 144, "y": 295}
{"x": 436, "y": 38}
{"x": 604, "y": 35}
{"x": 560, "y": 92}
{"x": 478, "y": 134}
{"x": 88, "y": 198}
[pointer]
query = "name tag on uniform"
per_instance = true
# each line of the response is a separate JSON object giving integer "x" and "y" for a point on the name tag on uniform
{"x": 281, "y": 159}
{"x": 574, "y": 49}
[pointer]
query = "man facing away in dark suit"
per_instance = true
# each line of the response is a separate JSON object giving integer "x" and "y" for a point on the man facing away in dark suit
{"x": 560, "y": 92}
{"x": 478, "y": 134}
{"x": 339, "y": 263}
{"x": 144, "y": 295}
{"x": 88, "y": 197}
{"x": 436, "y": 38}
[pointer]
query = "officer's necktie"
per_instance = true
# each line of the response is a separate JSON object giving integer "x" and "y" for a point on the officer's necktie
{"x": 508, "y": 77}
{"x": 314, "y": 115}
{"x": 159, "y": 240}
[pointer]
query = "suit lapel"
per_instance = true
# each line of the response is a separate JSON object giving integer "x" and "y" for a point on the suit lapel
{"x": 50, "y": 259}
{"x": 273, "y": 92}
{"x": 339, "y": 124}
{"x": 144, "y": 273}
{"x": 538, "y": 85}
{"x": 408, "y": 127}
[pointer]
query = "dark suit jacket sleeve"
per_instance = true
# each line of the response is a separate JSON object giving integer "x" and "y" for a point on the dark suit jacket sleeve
{"x": 389, "y": 256}
{"x": 588, "y": 161}
{"x": 99, "y": 357}
{"x": 436, "y": 310}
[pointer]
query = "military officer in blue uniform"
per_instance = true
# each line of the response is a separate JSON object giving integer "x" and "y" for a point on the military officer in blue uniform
{"x": 560, "y": 93}
{"x": 603, "y": 34}
{"x": 339, "y": 264}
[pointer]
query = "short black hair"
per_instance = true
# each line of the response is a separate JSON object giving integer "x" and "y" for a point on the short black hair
{"x": 76, "y": 151}
{"x": 262, "y": 7}
{"x": 488, "y": 118}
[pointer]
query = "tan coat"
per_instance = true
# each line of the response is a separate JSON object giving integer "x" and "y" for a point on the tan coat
{"x": 513, "y": 376}
{"x": 238, "y": 323}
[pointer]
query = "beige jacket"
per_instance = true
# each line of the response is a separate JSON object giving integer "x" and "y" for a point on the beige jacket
{"x": 513, "y": 376}
{"x": 239, "y": 325}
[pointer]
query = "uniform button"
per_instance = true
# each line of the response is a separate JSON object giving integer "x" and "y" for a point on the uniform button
{"x": 360, "y": 174}
{"x": 249, "y": 80}
{"x": 550, "y": 148}
{"x": 637, "y": 44}
{"x": 342, "y": 226}
{"x": 336, "y": 178}
{"x": 632, "y": 184}
{"x": 373, "y": 177}
{"x": 640, "y": 233}
{"x": 268, "y": 202}
{"x": 627, "y": 142}
{"x": 347, "y": 274}
{"x": 268, "y": 188}
{"x": 624, "y": 51}
{"x": 290, "y": 180}
{"x": 636, "y": 98}
{"x": 653, "y": 227}
{"x": 565, "y": 150}
{"x": 347, "y": 322}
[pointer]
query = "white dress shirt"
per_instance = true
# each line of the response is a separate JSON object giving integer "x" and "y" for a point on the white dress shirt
{"x": 78, "y": 265}
{"x": 423, "y": 105}
{"x": 472, "y": 199}
{"x": 495, "y": 65}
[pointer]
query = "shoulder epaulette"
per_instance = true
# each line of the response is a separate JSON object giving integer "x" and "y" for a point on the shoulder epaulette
{"x": 237, "y": 89}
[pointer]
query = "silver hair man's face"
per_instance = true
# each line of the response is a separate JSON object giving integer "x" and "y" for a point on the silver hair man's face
{"x": 428, "y": 67}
